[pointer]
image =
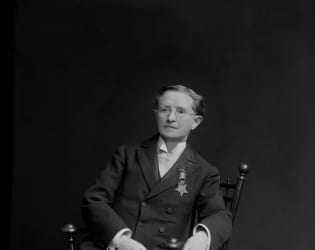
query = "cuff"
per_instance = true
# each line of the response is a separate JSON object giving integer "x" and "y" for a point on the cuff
{"x": 201, "y": 227}
{"x": 113, "y": 244}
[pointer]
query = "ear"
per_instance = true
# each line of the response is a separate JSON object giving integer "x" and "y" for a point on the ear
{"x": 197, "y": 121}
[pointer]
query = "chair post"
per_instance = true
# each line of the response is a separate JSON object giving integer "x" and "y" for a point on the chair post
{"x": 243, "y": 169}
{"x": 69, "y": 230}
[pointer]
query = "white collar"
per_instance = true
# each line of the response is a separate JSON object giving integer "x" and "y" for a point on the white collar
{"x": 161, "y": 145}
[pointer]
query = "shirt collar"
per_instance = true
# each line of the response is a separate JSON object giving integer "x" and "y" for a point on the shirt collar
{"x": 161, "y": 145}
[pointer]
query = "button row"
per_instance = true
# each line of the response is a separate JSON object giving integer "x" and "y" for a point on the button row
{"x": 161, "y": 229}
{"x": 168, "y": 210}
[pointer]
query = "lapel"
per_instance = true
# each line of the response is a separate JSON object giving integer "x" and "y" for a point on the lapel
{"x": 147, "y": 161}
{"x": 187, "y": 160}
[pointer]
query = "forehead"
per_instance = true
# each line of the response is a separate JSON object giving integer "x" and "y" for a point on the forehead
{"x": 176, "y": 99}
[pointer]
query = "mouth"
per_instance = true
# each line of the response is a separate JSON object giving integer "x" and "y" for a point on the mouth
{"x": 171, "y": 127}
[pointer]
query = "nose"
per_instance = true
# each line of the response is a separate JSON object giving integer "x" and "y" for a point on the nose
{"x": 171, "y": 116}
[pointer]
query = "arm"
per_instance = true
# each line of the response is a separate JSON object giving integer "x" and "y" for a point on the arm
{"x": 102, "y": 220}
{"x": 214, "y": 221}
{"x": 212, "y": 212}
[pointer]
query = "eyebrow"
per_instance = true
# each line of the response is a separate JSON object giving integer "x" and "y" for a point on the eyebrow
{"x": 178, "y": 107}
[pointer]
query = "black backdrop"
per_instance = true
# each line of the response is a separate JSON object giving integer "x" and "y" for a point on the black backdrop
{"x": 85, "y": 74}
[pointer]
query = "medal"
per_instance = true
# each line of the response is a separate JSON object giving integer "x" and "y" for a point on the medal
{"x": 181, "y": 189}
{"x": 181, "y": 185}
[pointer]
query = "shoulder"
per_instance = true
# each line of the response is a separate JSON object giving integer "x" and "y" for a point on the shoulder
{"x": 205, "y": 165}
{"x": 127, "y": 148}
{"x": 131, "y": 147}
{"x": 124, "y": 153}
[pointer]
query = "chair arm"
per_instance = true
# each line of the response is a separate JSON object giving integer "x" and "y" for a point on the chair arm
{"x": 69, "y": 230}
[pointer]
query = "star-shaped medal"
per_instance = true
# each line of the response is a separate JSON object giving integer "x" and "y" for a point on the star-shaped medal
{"x": 181, "y": 189}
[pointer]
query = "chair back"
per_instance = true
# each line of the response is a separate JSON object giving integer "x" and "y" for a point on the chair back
{"x": 232, "y": 192}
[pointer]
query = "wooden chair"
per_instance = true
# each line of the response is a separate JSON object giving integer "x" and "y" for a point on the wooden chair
{"x": 231, "y": 191}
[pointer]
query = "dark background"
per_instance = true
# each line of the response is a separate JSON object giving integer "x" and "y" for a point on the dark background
{"x": 85, "y": 72}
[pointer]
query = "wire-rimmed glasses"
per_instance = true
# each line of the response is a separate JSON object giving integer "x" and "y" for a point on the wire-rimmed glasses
{"x": 166, "y": 111}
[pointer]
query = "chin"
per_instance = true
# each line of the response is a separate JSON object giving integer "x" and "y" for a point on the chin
{"x": 172, "y": 136}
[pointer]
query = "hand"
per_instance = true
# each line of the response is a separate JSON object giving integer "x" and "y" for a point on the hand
{"x": 126, "y": 243}
{"x": 199, "y": 241}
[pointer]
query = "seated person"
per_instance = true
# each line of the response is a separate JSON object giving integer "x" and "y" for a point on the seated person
{"x": 151, "y": 191}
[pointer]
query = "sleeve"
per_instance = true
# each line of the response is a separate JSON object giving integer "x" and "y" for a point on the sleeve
{"x": 212, "y": 212}
{"x": 96, "y": 206}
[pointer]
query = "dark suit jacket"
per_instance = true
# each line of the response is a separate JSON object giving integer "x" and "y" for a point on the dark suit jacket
{"x": 128, "y": 194}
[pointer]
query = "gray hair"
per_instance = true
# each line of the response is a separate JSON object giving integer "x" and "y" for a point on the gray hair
{"x": 198, "y": 101}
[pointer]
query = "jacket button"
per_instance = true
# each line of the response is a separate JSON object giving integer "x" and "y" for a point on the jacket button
{"x": 169, "y": 210}
{"x": 143, "y": 204}
{"x": 161, "y": 229}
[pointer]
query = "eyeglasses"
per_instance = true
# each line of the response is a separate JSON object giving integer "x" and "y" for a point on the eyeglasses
{"x": 179, "y": 113}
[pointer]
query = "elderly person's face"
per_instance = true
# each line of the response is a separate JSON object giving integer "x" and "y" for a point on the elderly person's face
{"x": 175, "y": 116}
